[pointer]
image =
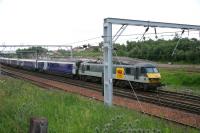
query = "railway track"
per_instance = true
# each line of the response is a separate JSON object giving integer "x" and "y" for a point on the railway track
{"x": 181, "y": 101}
{"x": 191, "y": 107}
{"x": 181, "y": 96}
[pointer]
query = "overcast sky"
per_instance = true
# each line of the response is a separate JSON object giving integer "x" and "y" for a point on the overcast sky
{"x": 65, "y": 21}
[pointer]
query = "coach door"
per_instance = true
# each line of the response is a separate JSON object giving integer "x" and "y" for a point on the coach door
{"x": 45, "y": 65}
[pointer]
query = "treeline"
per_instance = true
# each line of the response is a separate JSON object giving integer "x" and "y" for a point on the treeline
{"x": 188, "y": 50}
{"x": 31, "y": 52}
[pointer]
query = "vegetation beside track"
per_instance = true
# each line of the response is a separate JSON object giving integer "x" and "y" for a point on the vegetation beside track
{"x": 69, "y": 113}
{"x": 181, "y": 80}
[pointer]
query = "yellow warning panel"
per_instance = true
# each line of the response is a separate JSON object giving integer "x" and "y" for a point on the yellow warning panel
{"x": 120, "y": 73}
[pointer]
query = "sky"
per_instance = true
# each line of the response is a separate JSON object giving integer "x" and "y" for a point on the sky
{"x": 67, "y": 21}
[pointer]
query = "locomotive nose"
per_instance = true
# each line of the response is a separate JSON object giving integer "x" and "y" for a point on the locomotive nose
{"x": 154, "y": 78}
{"x": 153, "y": 75}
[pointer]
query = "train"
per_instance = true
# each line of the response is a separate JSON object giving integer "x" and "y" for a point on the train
{"x": 141, "y": 75}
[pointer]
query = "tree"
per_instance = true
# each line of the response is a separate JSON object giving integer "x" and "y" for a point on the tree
{"x": 187, "y": 51}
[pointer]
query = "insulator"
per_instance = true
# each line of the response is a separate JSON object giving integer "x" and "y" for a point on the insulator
{"x": 147, "y": 29}
{"x": 155, "y": 33}
{"x": 182, "y": 32}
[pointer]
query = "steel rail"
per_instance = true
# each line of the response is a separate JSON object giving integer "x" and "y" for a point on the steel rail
{"x": 163, "y": 101}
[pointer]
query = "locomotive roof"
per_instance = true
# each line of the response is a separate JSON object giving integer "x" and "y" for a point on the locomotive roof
{"x": 119, "y": 60}
{"x": 131, "y": 61}
{"x": 143, "y": 64}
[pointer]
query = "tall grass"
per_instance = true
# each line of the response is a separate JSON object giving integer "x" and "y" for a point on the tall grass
{"x": 181, "y": 79}
{"x": 67, "y": 113}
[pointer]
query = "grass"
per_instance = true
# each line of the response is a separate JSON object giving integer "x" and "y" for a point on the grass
{"x": 68, "y": 113}
{"x": 181, "y": 80}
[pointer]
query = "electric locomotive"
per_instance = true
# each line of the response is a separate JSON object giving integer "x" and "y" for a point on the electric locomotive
{"x": 140, "y": 75}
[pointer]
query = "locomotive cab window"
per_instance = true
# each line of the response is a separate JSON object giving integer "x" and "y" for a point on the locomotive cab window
{"x": 151, "y": 70}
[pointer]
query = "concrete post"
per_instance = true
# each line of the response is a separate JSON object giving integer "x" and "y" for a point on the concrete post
{"x": 38, "y": 125}
{"x": 108, "y": 85}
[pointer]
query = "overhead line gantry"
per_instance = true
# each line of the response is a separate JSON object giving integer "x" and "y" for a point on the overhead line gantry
{"x": 109, "y": 40}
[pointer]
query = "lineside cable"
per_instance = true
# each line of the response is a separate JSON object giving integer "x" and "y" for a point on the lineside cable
{"x": 130, "y": 85}
{"x": 177, "y": 43}
{"x": 94, "y": 38}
